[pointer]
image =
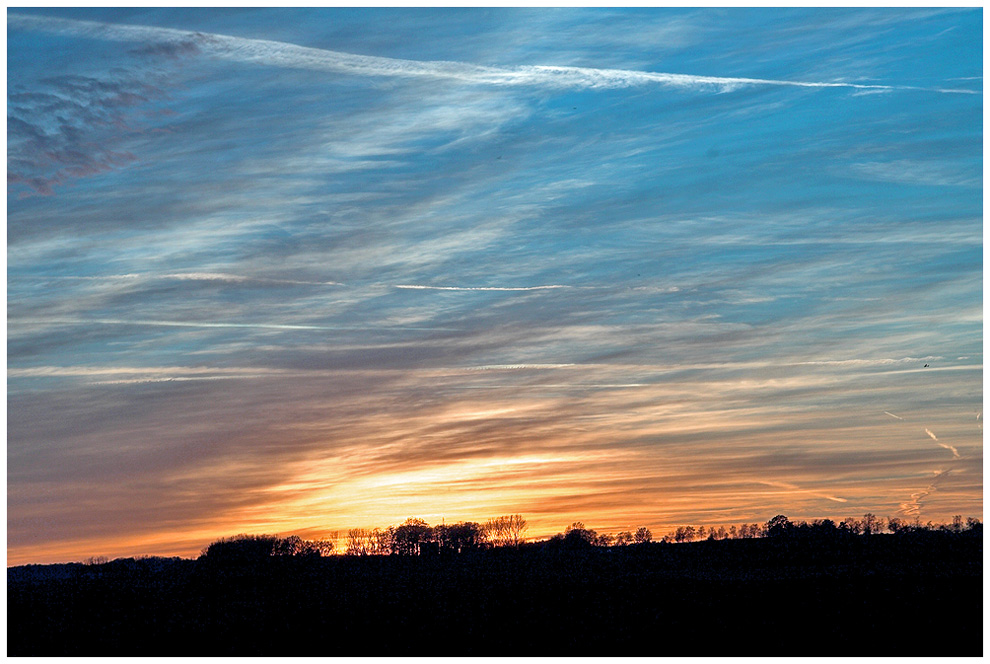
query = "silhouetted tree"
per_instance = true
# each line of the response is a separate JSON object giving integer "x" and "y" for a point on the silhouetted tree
{"x": 505, "y": 530}
{"x": 458, "y": 537}
{"x": 749, "y": 531}
{"x": 852, "y": 526}
{"x": 823, "y": 527}
{"x": 957, "y": 523}
{"x": 870, "y": 524}
{"x": 623, "y": 538}
{"x": 410, "y": 538}
{"x": 324, "y": 547}
{"x": 517, "y": 526}
{"x": 255, "y": 548}
{"x": 358, "y": 542}
{"x": 778, "y": 526}
{"x": 643, "y": 535}
{"x": 577, "y": 536}
{"x": 381, "y": 540}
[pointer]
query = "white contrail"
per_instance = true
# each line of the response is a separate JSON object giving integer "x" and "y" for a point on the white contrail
{"x": 871, "y": 362}
{"x": 281, "y": 54}
{"x": 494, "y": 367}
{"x": 894, "y": 416}
{"x": 479, "y": 288}
{"x": 797, "y": 489}
{"x": 913, "y": 506}
{"x": 171, "y": 379}
{"x": 554, "y": 386}
{"x": 236, "y": 278}
{"x": 955, "y": 452}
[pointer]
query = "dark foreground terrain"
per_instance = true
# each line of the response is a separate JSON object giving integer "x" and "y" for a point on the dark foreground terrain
{"x": 882, "y": 595}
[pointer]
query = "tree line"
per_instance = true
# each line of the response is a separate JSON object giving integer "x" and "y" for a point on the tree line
{"x": 780, "y": 525}
{"x": 416, "y": 537}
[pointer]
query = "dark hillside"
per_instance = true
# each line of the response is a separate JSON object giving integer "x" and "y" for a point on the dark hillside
{"x": 768, "y": 596}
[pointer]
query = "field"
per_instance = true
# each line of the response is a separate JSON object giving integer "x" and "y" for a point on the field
{"x": 879, "y": 595}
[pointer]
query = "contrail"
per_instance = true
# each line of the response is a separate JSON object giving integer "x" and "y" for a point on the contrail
{"x": 494, "y": 367}
{"x": 479, "y": 288}
{"x": 282, "y": 54}
{"x": 894, "y": 416}
{"x": 955, "y": 452}
{"x": 913, "y": 506}
{"x": 797, "y": 489}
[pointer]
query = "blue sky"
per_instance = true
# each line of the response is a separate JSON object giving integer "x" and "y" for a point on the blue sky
{"x": 304, "y": 270}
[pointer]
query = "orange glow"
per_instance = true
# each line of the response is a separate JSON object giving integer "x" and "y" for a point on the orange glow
{"x": 658, "y": 455}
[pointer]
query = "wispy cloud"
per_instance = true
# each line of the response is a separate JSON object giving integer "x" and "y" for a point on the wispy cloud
{"x": 204, "y": 324}
{"x": 926, "y": 173}
{"x": 281, "y": 54}
{"x": 184, "y": 276}
{"x": 72, "y": 126}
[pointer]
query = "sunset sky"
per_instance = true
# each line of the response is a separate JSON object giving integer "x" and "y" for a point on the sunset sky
{"x": 295, "y": 271}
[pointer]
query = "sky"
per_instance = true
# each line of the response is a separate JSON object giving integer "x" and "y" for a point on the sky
{"x": 306, "y": 270}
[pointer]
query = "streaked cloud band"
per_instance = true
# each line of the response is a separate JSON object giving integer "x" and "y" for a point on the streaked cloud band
{"x": 280, "y": 54}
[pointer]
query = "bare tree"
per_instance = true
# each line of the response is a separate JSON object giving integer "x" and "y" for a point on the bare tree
{"x": 505, "y": 530}
{"x": 323, "y": 547}
{"x": 643, "y": 535}
{"x": 381, "y": 541}
{"x": 357, "y": 542}
{"x": 517, "y": 526}
{"x": 957, "y": 523}
{"x": 869, "y": 524}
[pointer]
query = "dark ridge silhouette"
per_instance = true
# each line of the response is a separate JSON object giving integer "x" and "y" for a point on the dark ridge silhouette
{"x": 467, "y": 589}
